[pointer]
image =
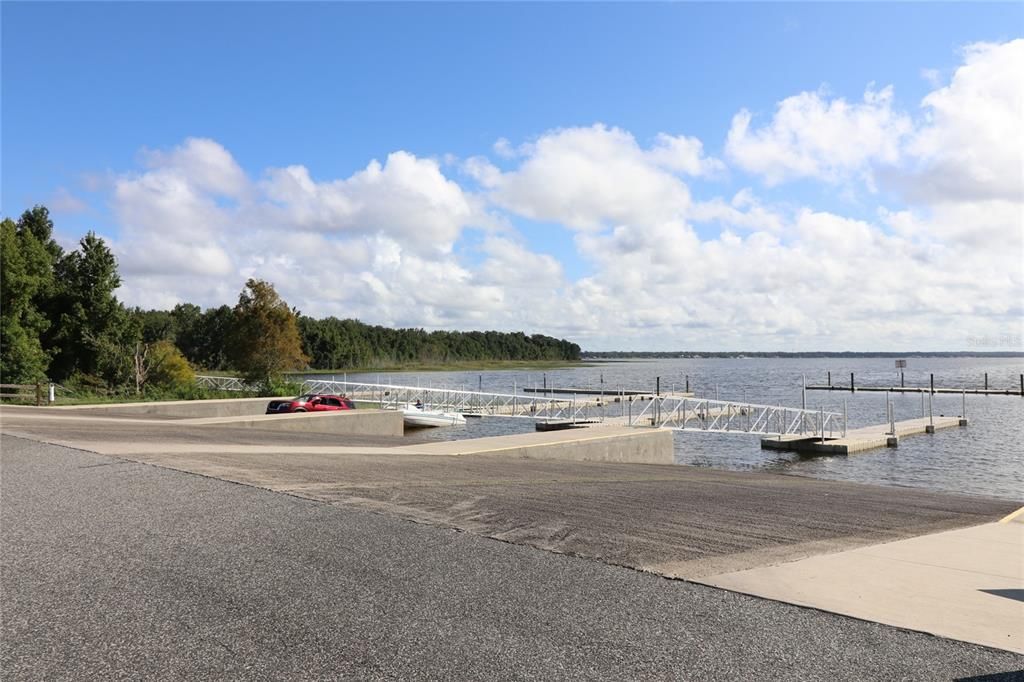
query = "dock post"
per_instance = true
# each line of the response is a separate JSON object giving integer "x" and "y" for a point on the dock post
{"x": 902, "y": 384}
{"x": 1022, "y": 385}
{"x": 923, "y": 414}
{"x": 986, "y": 381}
{"x": 931, "y": 382}
{"x": 803, "y": 393}
{"x": 830, "y": 379}
{"x": 716, "y": 393}
{"x": 630, "y": 410}
{"x": 844, "y": 417}
{"x": 852, "y": 389}
{"x": 930, "y": 428}
{"x": 657, "y": 400}
{"x": 821, "y": 422}
{"x": 963, "y": 405}
{"x": 688, "y": 382}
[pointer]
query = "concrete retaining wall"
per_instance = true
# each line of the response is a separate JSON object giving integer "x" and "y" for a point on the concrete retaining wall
{"x": 175, "y": 409}
{"x": 597, "y": 444}
{"x": 343, "y": 422}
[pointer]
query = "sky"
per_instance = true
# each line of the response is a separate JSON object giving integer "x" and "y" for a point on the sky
{"x": 670, "y": 176}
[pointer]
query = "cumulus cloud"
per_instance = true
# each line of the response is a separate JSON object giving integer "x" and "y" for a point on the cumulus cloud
{"x": 971, "y": 145}
{"x": 669, "y": 263}
{"x": 589, "y": 178}
{"x": 406, "y": 197}
{"x": 812, "y": 136}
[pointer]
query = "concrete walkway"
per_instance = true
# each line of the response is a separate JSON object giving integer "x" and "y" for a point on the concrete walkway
{"x": 965, "y": 584}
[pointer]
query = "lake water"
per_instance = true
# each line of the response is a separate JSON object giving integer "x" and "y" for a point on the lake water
{"x": 986, "y": 458}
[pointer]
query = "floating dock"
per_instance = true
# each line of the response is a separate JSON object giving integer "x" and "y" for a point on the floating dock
{"x": 918, "y": 389}
{"x": 858, "y": 440}
{"x": 608, "y": 393}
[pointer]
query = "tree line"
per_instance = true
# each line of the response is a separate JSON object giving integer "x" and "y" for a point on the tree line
{"x": 60, "y": 320}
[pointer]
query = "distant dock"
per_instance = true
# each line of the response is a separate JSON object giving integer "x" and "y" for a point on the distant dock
{"x": 858, "y": 440}
{"x": 611, "y": 393}
{"x": 984, "y": 389}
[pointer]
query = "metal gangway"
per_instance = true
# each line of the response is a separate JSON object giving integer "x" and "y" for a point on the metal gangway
{"x": 723, "y": 416}
{"x": 478, "y": 403}
{"x": 661, "y": 411}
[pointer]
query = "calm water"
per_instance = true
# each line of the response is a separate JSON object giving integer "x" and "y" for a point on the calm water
{"x": 986, "y": 458}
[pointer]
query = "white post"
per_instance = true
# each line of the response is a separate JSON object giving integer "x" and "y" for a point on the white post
{"x": 931, "y": 416}
{"x": 803, "y": 392}
{"x": 844, "y": 417}
{"x": 963, "y": 409}
{"x": 53, "y": 396}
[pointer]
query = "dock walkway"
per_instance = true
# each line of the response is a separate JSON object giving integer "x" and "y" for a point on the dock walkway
{"x": 858, "y": 440}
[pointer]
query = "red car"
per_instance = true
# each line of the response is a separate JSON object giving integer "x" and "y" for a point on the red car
{"x": 310, "y": 403}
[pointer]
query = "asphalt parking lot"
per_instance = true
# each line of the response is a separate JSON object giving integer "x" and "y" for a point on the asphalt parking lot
{"x": 117, "y": 569}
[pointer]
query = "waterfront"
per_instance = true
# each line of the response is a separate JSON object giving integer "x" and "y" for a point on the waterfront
{"x": 983, "y": 459}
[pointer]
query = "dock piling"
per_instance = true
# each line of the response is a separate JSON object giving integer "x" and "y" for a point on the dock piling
{"x": 931, "y": 382}
{"x": 852, "y": 389}
{"x": 986, "y": 381}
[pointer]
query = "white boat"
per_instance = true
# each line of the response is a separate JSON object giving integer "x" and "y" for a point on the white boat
{"x": 418, "y": 417}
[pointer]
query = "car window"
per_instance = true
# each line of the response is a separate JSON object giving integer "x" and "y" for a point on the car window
{"x": 332, "y": 402}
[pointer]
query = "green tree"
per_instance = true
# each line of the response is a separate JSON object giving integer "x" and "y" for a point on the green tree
{"x": 91, "y": 328}
{"x": 265, "y": 338}
{"x": 27, "y": 272}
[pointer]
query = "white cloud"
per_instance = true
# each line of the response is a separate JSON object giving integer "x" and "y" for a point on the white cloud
{"x": 588, "y": 178}
{"x": 971, "y": 145}
{"x": 667, "y": 265}
{"x": 812, "y": 136}
{"x": 406, "y": 197}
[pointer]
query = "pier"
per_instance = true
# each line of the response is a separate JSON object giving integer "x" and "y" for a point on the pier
{"x": 865, "y": 438}
{"x": 984, "y": 389}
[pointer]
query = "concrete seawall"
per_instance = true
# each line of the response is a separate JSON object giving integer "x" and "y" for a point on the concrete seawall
{"x": 637, "y": 446}
{"x": 342, "y": 422}
{"x": 174, "y": 409}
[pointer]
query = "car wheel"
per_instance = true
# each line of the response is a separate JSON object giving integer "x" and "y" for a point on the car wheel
{"x": 299, "y": 409}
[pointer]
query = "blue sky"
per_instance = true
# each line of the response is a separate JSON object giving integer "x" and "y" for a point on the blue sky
{"x": 88, "y": 87}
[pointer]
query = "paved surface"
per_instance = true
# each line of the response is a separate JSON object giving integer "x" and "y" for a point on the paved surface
{"x": 115, "y": 570}
{"x": 967, "y": 584}
{"x": 674, "y": 520}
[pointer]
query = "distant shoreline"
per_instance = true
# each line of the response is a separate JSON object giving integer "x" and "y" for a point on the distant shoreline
{"x": 598, "y": 356}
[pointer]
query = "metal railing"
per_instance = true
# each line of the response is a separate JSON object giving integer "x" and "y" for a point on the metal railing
{"x": 221, "y": 383}
{"x": 721, "y": 416}
{"x": 446, "y": 399}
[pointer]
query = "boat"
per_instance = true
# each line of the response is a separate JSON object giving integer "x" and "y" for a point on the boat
{"x": 417, "y": 416}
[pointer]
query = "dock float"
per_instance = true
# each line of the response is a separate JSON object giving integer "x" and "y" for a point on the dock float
{"x": 859, "y": 440}
{"x": 609, "y": 393}
{"x": 917, "y": 389}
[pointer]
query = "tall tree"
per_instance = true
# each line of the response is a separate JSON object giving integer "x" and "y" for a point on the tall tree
{"x": 88, "y": 317}
{"x": 27, "y": 272}
{"x": 265, "y": 337}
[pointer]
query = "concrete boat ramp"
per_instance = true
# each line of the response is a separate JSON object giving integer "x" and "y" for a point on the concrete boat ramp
{"x": 921, "y": 561}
